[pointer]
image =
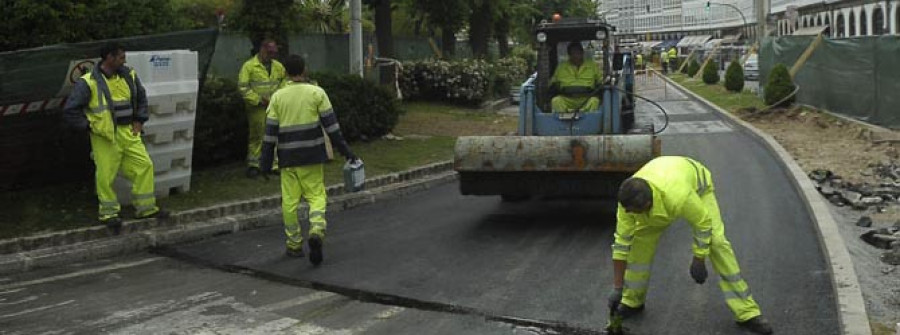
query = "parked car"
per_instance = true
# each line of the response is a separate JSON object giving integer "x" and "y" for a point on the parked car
{"x": 751, "y": 68}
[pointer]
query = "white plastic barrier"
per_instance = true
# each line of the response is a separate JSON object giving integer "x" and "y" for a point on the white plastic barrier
{"x": 171, "y": 80}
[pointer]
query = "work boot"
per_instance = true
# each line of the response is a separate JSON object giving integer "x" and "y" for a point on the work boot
{"x": 252, "y": 172}
{"x": 626, "y": 311}
{"x": 757, "y": 325}
{"x": 113, "y": 224}
{"x": 315, "y": 250}
{"x": 295, "y": 253}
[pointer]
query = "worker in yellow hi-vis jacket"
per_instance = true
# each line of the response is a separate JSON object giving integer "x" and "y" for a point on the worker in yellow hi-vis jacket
{"x": 260, "y": 77}
{"x": 110, "y": 103}
{"x": 665, "y": 189}
{"x": 294, "y": 122}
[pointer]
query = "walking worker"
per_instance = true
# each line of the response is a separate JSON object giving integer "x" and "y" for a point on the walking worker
{"x": 639, "y": 61}
{"x": 260, "y": 77}
{"x": 665, "y": 189}
{"x": 111, "y": 104}
{"x": 295, "y": 118}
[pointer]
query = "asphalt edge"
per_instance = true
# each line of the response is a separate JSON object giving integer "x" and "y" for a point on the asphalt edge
{"x": 851, "y": 305}
{"x": 93, "y": 243}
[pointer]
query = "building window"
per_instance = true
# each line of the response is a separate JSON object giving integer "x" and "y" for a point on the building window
{"x": 852, "y": 24}
{"x": 877, "y": 21}
{"x": 819, "y": 21}
{"x": 863, "y": 28}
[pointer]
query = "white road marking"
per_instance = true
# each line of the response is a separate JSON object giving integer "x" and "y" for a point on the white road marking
{"x": 81, "y": 273}
{"x": 11, "y": 291}
{"x": 26, "y": 299}
{"x": 38, "y": 309}
{"x": 302, "y": 300}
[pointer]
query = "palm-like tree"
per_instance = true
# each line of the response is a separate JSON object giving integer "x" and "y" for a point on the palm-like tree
{"x": 323, "y": 16}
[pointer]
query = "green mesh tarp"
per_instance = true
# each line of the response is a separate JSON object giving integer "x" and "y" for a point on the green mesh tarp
{"x": 35, "y": 148}
{"x": 855, "y": 77}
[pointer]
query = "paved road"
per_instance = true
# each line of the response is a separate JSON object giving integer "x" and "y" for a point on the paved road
{"x": 441, "y": 263}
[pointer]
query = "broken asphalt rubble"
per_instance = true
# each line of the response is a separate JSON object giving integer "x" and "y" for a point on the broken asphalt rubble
{"x": 864, "y": 196}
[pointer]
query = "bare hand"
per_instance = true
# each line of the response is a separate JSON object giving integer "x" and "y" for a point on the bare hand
{"x": 137, "y": 128}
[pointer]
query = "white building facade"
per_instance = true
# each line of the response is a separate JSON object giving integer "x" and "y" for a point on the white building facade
{"x": 654, "y": 20}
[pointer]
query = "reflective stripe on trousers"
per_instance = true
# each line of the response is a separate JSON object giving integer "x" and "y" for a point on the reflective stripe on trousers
{"x": 128, "y": 156}
{"x": 303, "y": 182}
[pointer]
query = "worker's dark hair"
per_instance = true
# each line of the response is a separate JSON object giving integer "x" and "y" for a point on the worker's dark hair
{"x": 294, "y": 65}
{"x": 266, "y": 41}
{"x": 574, "y": 46}
{"x": 109, "y": 48}
{"x": 635, "y": 193}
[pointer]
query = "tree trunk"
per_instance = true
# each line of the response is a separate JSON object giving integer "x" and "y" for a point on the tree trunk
{"x": 503, "y": 44}
{"x": 480, "y": 30}
{"x": 385, "y": 39}
{"x": 448, "y": 42}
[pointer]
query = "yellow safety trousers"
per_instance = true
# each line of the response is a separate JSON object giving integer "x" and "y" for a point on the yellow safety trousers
{"x": 306, "y": 182}
{"x": 564, "y": 104}
{"x": 126, "y": 154}
{"x": 643, "y": 248}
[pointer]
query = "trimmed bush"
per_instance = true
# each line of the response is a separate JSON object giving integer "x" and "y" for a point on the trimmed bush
{"x": 693, "y": 68}
{"x": 711, "y": 73}
{"x": 465, "y": 82}
{"x": 779, "y": 86}
{"x": 734, "y": 77}
{"x": 364, "y": 109}
{"x": 220, "y": 131}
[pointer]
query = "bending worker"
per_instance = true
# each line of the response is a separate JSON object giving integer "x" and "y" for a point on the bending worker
{"x": 110, "y": 103}
{"x": 260, "y": 77}
{"x": 665, "y": 189}
{"x": 294, "y": 122}
{"x": 575, "y": 81}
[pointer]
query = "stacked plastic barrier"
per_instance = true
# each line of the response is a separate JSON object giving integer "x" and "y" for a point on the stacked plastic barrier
{"x": 171, "y": 80}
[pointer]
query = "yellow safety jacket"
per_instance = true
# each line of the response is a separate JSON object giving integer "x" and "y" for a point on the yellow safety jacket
{"x": 639, "y": 60}
{"x": 673, "y": 54}
{"x": 677, "y": 184}
{"x": 100, "y": 103}
{"x": 583, "y": 77}
{"x": 664, "y": 57}
{"x": 294, "y": 122}
{"x": 257, "y": 83}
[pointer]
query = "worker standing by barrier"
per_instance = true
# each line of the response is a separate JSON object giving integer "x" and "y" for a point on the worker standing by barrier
{"x": 664, "y": 61}
{"x": 665, "y": 189}
{"x": 673, "y": 59}
{"x": 260, "y": 77}
{"x": 639, "y": 61}
{"x": 294, "y": 121}
{"x": 111, "y": 104}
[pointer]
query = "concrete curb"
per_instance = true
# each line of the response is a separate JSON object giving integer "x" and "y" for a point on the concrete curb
{"x": 851, "y": 306}
{"x": 92, "y": 243}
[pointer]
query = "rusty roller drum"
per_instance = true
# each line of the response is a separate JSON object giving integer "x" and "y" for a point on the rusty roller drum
{"x": 576, "y": 166}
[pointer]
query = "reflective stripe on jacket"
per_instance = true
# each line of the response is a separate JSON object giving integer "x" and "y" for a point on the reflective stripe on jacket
{"x": 99, "y": 103}
{"x": 257, "y": 83}
{"x": 295, "y": 120}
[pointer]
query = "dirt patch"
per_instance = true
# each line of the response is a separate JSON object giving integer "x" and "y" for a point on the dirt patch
{"x": 820, "y": 141}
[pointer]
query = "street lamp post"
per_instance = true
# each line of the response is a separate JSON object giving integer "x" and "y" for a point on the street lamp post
{"x": 708, "y": 3}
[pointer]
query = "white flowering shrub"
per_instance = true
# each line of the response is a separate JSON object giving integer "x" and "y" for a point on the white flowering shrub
{"x": 467, "y": 82}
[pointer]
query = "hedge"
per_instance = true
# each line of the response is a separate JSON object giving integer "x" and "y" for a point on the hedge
{"x": 779, "y": 86}
{"x": 711, "y": 73}
{"x": 466, "y": 82}
{"x": 734, "y": 77}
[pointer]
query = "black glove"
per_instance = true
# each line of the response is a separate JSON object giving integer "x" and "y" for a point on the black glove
{"x": 698, "y": 271}
{"x": 614, "y": 298}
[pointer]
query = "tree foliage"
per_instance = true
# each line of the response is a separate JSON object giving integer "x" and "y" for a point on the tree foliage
{"x": 734, "y": 77}
{"x": 779, "y": 86}
{"x": 711, "y": 73}
{"x": 34, "y": 23}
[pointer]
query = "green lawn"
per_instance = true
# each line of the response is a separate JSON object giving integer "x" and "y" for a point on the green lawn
{"x": 718, "y": 95}
{"x": 434, "y": 126}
